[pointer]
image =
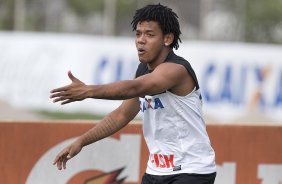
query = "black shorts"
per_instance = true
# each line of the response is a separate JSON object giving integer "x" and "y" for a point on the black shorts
{"x": 179, "y": 179}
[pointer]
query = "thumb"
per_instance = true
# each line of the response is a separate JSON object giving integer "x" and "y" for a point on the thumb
{"x": 72, "y": 78}
{"x": 69, "y": 156}
{"x": 73, "y": 151}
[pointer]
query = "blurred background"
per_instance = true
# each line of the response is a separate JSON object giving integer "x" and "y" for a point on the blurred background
{"x": 47, "y": 38}
{"x": 217, "y": 20}
{"x": 234, "y": 46}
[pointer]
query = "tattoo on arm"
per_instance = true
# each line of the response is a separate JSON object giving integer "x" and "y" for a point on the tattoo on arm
{"x": 105, "y": 128}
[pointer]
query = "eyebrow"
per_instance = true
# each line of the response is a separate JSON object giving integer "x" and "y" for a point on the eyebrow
{"x": 146, "y": 31}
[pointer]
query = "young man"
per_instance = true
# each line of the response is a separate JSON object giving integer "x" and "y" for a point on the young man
{"x": 166, "y": 90}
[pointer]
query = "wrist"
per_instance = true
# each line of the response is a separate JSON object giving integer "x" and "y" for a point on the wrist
{"x": 89, "y": 91}
{"x": 81, "y": 141}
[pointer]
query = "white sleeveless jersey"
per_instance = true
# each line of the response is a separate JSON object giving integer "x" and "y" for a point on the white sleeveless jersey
{"x": 175, "y": 132}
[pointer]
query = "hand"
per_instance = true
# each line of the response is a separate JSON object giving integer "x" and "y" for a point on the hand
{"x": 66, "y": 154}
{"x": 76, "y": 91}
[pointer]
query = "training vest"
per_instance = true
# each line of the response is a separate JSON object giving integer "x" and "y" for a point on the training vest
{"x": 174, "y": 129}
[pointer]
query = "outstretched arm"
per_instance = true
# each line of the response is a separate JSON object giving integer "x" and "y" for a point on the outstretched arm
{"x": 106, "y": 127}
{"x": 165, "y": 76}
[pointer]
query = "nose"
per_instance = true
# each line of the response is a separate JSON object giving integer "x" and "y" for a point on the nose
{"x": 140, "y": 39}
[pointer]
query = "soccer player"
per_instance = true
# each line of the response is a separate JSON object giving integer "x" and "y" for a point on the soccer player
{"x": 166, "y": 91}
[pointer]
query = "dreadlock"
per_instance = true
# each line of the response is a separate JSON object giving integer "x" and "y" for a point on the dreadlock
{"x": 166, "y": 18}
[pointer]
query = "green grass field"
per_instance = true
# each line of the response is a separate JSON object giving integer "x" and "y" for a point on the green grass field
{"x": 59, "y": 115}
{"x": 68, "y": 116}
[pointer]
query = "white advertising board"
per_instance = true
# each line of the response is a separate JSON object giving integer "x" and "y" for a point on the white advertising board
{"x": 239, "y": 82}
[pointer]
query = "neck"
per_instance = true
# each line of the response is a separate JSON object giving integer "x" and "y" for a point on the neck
{"x": 160, "y": 59}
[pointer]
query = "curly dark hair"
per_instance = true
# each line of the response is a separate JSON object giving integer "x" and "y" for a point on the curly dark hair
{"x": 166, "y": 18}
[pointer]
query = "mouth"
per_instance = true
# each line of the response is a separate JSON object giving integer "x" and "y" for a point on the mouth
{"x": 141, "y": 51}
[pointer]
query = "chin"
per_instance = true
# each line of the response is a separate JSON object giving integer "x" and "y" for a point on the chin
{"x": 142, "y": 60}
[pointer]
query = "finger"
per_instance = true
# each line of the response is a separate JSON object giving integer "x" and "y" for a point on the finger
{"x": 57, "y": 162}
{"x": 67, "y": 101}
{"x": 62, "y": 98}
{"x": 65, "y": 163}
{"x": 61, "y": 155}
{"x": 59, "y": 89}
{"x": 59, "y": 165}
{"x": 57, "y": 159}
{"x": 59, "y": 94}
{"x": 59, "y": 99}
{"x": 72, "y": 77}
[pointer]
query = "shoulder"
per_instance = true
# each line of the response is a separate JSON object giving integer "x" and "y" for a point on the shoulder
{"x": 173, "y": 58}
{"x": 141, "y": 70}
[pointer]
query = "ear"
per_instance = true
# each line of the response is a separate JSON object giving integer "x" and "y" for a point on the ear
{"x": 168, "y": 39}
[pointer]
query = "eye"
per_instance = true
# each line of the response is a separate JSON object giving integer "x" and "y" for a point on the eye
{"x": 150, "y": 35}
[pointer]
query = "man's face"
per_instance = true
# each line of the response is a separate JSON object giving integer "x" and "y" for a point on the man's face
{"x": 149, "y": 41}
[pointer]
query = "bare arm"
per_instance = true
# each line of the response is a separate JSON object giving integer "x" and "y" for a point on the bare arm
{"x": 113, "y": 122}
{"x": 165, "y": 76}
{"x": 106, "y": 127}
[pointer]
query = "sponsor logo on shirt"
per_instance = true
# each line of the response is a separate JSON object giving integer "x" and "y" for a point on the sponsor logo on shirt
{"x": 150, "y": 103}
{"x": 162, "y": 161}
